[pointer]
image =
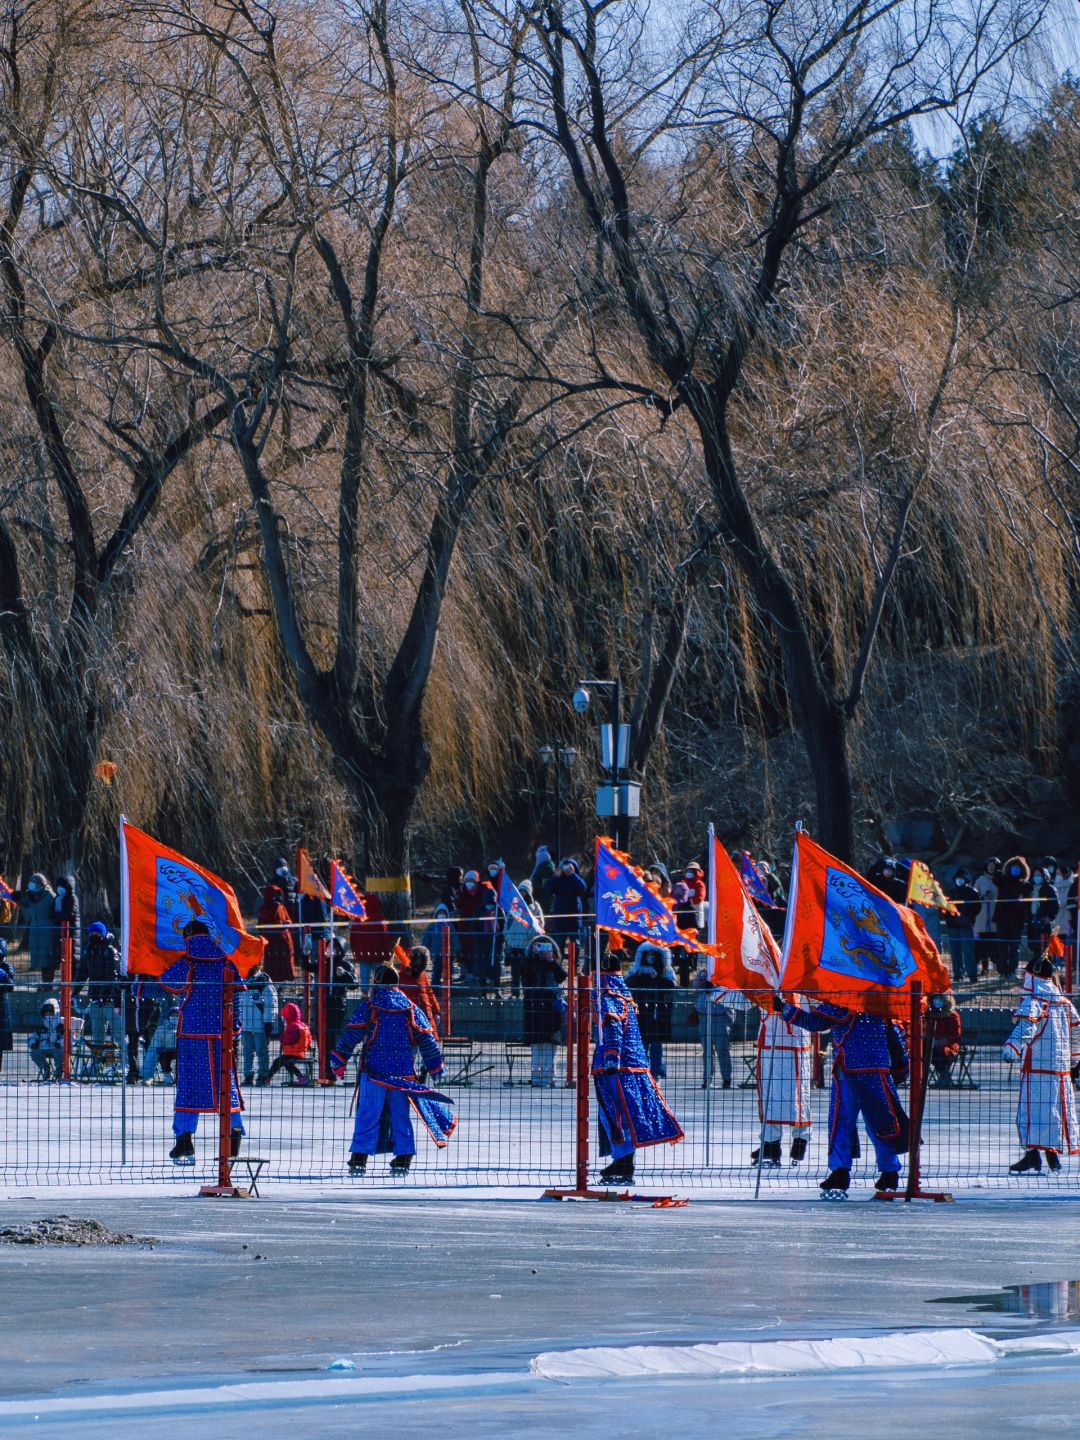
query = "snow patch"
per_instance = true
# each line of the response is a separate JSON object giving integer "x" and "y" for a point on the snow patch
{"x": 911, "y": 1350}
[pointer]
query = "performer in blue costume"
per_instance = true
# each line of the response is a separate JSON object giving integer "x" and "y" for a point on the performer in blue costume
{"x": 633, "y": 1114}
{"x": 198, "y": 981}
{"x": 387, "y": 1027}
{"x": 869, "y": 1058}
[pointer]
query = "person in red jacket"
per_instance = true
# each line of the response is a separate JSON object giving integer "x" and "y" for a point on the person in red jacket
{"x": 370, "y": 941}
{"x": 947, "y": 1033}
{"x": 295, "y": 1045}
{"x": 479, "y": 910}
{"x": 414, "y": 984}
{"x": 279, "y": 957}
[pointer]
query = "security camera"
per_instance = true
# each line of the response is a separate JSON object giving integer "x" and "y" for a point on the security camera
{"x": 581, "y": 700}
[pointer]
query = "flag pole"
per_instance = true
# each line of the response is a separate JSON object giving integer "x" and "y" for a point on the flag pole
{"x": 773, "y": 1018}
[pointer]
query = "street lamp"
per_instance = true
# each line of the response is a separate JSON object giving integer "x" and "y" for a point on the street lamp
{"x": 620, "y": 800}
{"x": 562, "y": 757}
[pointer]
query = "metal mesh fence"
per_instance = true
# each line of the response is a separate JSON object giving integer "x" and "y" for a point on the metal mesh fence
{"x": 95, "y": 1127}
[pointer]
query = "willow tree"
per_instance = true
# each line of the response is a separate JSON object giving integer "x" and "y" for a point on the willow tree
{"x": 778, "y": 102}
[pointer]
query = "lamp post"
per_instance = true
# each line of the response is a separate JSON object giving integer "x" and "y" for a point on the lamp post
{"x": 562, "y": 757}
{"x": 623, "y": 801}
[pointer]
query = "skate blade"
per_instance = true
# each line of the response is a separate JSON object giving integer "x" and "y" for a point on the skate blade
{"x": 185, "y": 1161}
{"x": 834, "y": 1194}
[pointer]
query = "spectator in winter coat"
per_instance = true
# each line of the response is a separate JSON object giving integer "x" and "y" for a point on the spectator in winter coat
{"x": 686, "y": 917}
{"x": 946, "y": 1048}
{"x": 415, "y": 986}
{"x": 478, "y": 908}
{"x": 651, "y": 981}
{"x": 542, "y": 875}
{"x": 1012, "y": 912}
{"x": 343, "y": 978}
{"x": 960, "y": 928}
{"x": 656, "y": 875}
{"x": 279, "y": 957}
{"x": 101, "y": 972}
{"x": 1044, "y": 908}
{"x": 257, "y": 1012}
{"x": 7, "y": 985}
{"x": 36, "y": 904}
{"x": 1062, "y": 882}
{"x": 890, "y": 878}
{"x": 370, "y": 941}
{"x": 985, "y": 934}
{"x": 295, "y": 1046}
{"x": 544, "y": 1008}
{"x": 162, "y": 1047}
{"x": 66, "y": 912}
{"x": 47, "y": 1042}
{"x": 518, "y": 937}
{"x": 714, "y": 1010}
{"x": 566, "y": 890}
{"x": 439, "y": 938}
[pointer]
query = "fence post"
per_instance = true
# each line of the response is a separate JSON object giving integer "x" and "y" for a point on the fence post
{"x": 67, "y": 948}
{"x": 1069, "y": 953}
{"x": 818, "y": 1080}
{"x": 581, "y": 1156}
{"x": 320, "y": 1011}
{"x": 447, "y": 975}
{"x": 571, "y": 1009}
{"x": 915, "y": 1069}
{"x": 226, "y": 1041}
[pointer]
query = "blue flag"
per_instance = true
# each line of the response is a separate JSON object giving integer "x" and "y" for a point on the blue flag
{"x": 624, "y": 903}
{"x": 512, "y": 903}
{"x": 345, "y": 894}
{"x": 754, "y": 881}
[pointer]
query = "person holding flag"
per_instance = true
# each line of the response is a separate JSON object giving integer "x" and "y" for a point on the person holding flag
{"x": 523, "y": 923}
{"x": 748, "y": 963}
{"x": 633, "y": 1112}
{"x": 858, "y": 953}
{"x": 182, "y": 924}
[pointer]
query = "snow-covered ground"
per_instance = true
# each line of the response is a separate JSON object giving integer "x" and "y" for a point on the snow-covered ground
{"x": 411, "y": 1317}
{"x": 509, "y": 1135}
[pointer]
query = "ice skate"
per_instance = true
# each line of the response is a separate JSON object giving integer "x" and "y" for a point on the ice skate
{"x": 1053, "y": 1160}
{"x": 183, "y": 1152}
{"x": 357, "y": 1164}
{"x": 400, "y": 1164}
{"x": 618, "y": 1171}
{"x": 798, "y": 1149}
{"x": 835, "y": 1185}
{"x": 771, "y": 1155}
{"x": 887, "y": 1180}
{"x": 1031, "y": 1162}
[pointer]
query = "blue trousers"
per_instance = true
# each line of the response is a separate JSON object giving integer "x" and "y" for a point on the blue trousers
{"x": 369, "y": 1109}
{"x": 186, "y": 1122}
{"x": 961, "y": 946}
{"x": 874, "y": 1096}
{"x": 620, "y": 1148}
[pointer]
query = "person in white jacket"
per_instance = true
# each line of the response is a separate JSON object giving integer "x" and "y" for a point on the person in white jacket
{"x": 785, "y": 1073}
{"x": 1046, "y": 1043}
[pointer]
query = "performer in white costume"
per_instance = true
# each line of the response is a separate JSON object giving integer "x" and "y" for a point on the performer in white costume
{"x": 784, "y": 1098}
{"x": 1046, "y": 1042}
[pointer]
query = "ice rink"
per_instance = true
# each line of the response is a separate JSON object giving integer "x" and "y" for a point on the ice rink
{"x": 459, "y": 1316}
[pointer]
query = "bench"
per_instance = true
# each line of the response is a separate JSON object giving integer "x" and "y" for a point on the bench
{"x": 467, "y": 1059}
{"x": 517, "y": 1050}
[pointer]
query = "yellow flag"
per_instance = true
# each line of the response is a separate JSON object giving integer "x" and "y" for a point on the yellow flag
{"x": 923, "y": 889}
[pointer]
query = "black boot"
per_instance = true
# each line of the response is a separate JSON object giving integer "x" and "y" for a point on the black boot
{"x": 887, "y": 1180}
{"x": 400, "y": 1164}
{"x": 235, "y": 1137}
{"x": 357, "y": 1163}
{"x": 183, "y": 1152}
{"x": 1032, "y": 1161}
{"x": 798, "y": 1149}
{"x": 1053, "y": 1161}
{"x": 249, "y": 1081}
{"x": 836, "y": 1183}
{"x": 618, "y": 1171}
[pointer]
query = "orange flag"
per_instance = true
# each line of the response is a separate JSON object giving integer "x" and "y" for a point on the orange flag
{"x": 747, "y": 956}
{"x": 161, "y": 891}
{"x": 848, "y": 942}
{"x": 307, "y": 881}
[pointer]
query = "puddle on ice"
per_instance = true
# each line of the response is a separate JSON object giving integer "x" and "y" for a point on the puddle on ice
{"x": 1047, "y": 1300}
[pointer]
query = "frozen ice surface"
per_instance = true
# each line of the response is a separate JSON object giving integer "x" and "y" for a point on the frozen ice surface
{"x": 198, "y": 1335}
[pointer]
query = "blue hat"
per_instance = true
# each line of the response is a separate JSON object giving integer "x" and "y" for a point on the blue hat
{"x": 97, "y": 928}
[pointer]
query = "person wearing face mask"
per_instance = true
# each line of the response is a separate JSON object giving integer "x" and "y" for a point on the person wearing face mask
{"x": 960, "y": 928}
{"x": 66, "y": 911}
{"x": 1044, "y": 907}
{"x": 493, "y": 976}
{"x": 985, "y": 935}
{"x": 1062, "y": 881}
{"x": 567, "y": 890}
{"x": 478, "y": 908}
{"x": 1012, "y": 912}
{"x": 890, "y": 878}
{"x": 36, "y": 906}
